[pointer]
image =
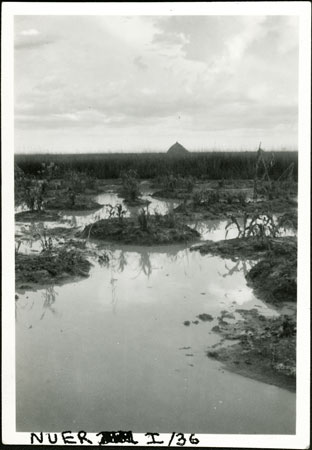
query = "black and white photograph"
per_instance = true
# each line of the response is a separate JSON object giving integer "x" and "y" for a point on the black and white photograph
{"x": 156, "y": 224}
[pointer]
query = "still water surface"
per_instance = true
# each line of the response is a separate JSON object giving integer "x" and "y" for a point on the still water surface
{"x": 112, "y": 352}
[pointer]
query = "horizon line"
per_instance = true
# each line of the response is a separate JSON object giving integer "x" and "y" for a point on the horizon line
{"x": 142, "y": 152}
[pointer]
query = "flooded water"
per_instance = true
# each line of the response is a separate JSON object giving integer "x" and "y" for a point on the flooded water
{"x": 209, "y": 229}
{"x": 112, "y": 351}
{"x": 216, "y": 230}
{"x": 109, "y": 199}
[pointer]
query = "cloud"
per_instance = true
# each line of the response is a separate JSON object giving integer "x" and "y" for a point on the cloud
{"x": 140, "y": 64}
{"x": 220, "y": 74}
{"x": 30, "y": 32}
{"x": 32, "y": 38}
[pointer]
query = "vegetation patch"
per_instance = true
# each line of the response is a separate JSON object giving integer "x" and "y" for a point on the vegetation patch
{"x": 209, "y": 165}
{"x": 212, "y": 204}
{"x": 130, "y": 189}
{"x": 145, "y": 230}
{"x": 56, "y": 265}
{"x": 81, "y": 203}
{"x": 173, "y": 186}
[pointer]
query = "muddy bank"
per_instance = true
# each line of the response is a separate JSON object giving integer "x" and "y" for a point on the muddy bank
{"x": 274, "y": 279}
{"x": 233, "y": 248}
{"x": 223, "y": 209}
{"x": 56, "y": 266}
{"x": 252, "y": 247}
{"x": 265, "y": 348}
{"x": 37, "y": 216}
{"x": 156, "y": 230}
{"x": 53, "y": 206}
{"x": 171, "y": 195}
{"x": 81, "y": 203}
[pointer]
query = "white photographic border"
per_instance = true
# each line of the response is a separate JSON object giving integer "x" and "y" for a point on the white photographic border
{"x": 300, "y": 9}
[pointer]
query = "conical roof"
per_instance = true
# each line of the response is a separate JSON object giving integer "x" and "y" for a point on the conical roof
{"x": 177, "y": 149}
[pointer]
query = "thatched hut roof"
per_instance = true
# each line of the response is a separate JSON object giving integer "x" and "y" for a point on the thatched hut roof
{"x": 177, "y": 149}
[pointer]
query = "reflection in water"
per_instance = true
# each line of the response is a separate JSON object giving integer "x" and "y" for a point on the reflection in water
{"x": 239, "y": 266}
{"x": 116, "y": 263}
{"x": 110, "y": 202}
{"x": 120, "y": 365}
{"x": 49, "y": 299}
{"x": 122, "y": 261}
{"x": 130, "y": 361}
{"x": 25, "y": 306}
{"x": 145, "y": 265}
{"x": 208, "y": 226}
{"x": 211, "y": 229}
{"x": 114, "y": 296}
{"x": 19, "y": 305}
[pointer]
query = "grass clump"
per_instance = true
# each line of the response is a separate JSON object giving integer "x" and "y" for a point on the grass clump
{"x": 130, "y": 185}
{"x": 261, "y": 226}
{"x": 145, "y": 229}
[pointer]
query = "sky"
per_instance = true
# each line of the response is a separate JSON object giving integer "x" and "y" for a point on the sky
{"x": 141, "y": 83}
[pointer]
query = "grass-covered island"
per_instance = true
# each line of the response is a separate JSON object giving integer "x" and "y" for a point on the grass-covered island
{"x": 144, "y": 230}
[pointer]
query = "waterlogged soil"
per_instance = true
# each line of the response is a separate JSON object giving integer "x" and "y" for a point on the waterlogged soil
{"x": 249, "y": 247}
{"x": 228, "y": 200}
{"x": 56, "y": 266}
{"x": 179, "y": 194}
{"x": 128, "y": 231}
{"x": 223, "y": 210}
{"x": 274, "y": 278}
{"x": 82, "y": 203}
{"x": 37, "y": 216}
{"x": 266, "y": 347}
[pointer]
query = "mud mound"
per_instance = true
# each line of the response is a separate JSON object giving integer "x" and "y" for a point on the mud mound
{"x": 128, "y": 231}
{"x": 49, "y": 267}
{"x": 274, "y": 279}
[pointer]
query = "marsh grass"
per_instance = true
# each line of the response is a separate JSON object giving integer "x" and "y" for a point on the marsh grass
{"x": 261, "y": 226}
{"x": 206, "y": 165}
{"x": 144, "y": 218}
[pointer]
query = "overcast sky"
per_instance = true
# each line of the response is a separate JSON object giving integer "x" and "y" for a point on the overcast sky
{"x": 100, "y": 83}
